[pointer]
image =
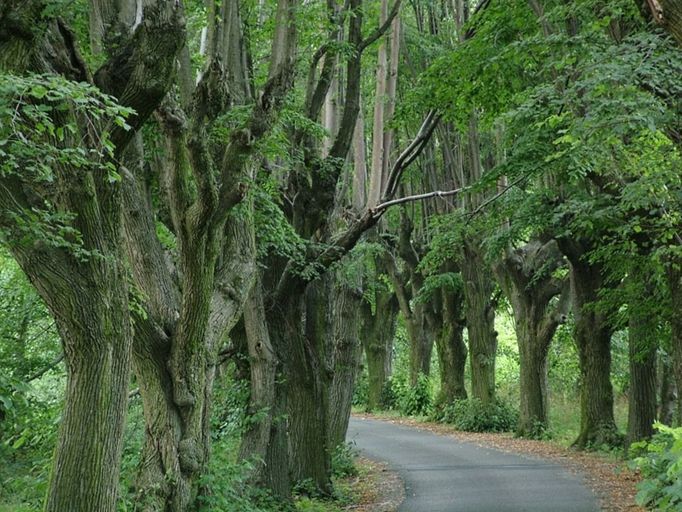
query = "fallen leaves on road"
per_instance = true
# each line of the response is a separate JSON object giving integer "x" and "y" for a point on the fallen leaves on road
{"x": 611, "y": 481}
{"x": 379, "y": 488}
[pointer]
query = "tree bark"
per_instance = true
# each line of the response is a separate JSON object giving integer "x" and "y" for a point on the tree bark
{"x": 480, "y": 315}
{"x": 344, "y": 350}
{"x": 674, "y": 280}
{"x": 592, "y": 334}
{"x": 406, "y": 286}
{"x": 668, "y": 392}
{"x": 263, "y": 369}
{"x": 525, "y": 276}
{"x": 668, "y": 14}
{"x": 452, "y": 351}
{"x": 88, "y": 295}
{"x": 642, "y": 346}
{"x": 90, "y": 306}
{"x": 306, "y": 386}
{"x": 378, "y": 330}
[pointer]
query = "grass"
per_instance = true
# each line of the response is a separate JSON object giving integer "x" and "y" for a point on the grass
{"x": 564, "y": 417}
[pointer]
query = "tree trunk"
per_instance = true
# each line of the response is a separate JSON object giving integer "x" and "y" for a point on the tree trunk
{"x": 674, "y": 280}
{"x": 480, "y": 315}
{"x": 452, "y": 351}
{"x": 295, "y": 327}
{"x": 421, "y": 347}
{"x": 533, "y": 411}
{"x": 525, "y": 276}
{"x": 378, "y": 330}
{"x": 643, "y": 346}
{"x": 667, "y": 13}
{"x": 97, "y": 345}
{"x": 668, "y": 392}
{"x": 592, "y": 335}
{"x": 89, "y": 302}
{"x": 86, "y": 293}
{"x": 344, "y": 352}
{"x": 263, "y": 368}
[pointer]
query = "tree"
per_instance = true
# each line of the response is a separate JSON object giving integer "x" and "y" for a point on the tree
{"x": 83, "y": 278}
{"x": 188, "y": 311}
{"x": 526, "y": 274}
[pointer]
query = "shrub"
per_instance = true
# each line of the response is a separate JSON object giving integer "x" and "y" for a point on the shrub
{"x": 361, "y": 390}
{"x": 660, "y": 461}
{"x": 343, "y": 460}
{"x": 415, "y": 400}
{"x": 472, "y": 415}
{"x": 388, "y": 400}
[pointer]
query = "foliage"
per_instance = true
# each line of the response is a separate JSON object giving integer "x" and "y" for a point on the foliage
{"x": 472, "y": 415}
{"x": 414, "y": 400}
{"x": 46, "y": 132}
{"x": 343, "y": 460}
{"x": 388, "y": 399}
{"x": 361, "y": 389}
{"x": 226, "y": 484}
{"x": 660, "y": 461}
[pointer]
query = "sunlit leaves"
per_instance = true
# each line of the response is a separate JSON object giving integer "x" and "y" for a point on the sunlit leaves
{"x": 48, "y": 123}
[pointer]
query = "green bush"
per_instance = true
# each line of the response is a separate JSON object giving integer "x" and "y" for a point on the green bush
{"x": 660, "y": 461}
{"x": 388, "y": 399}
{"x": 361, "y": 390}
{"x": 472, "y": 415}
{"x": 415, "y": 400}
{"x": 343, "y": 460}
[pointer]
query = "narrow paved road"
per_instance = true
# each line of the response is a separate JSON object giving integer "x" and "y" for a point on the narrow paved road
{"x": 442, "y": 474}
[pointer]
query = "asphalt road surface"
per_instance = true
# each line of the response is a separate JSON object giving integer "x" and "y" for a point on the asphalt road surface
{"x": 442, "y": 474}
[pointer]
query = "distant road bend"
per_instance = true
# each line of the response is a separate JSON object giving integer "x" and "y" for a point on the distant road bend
{"x": 442, "y": 474}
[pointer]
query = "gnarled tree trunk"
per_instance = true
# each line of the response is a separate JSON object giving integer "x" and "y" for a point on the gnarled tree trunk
{"x": 525, "y": 275}
{"x": 450, "y": 346}
{"x": 343, "y": 355}
{"x": 592, "y": 335}
{"x": 378, "y": 331}
{"x": 87, "y": 294}
{"x": 643, "y": 345}
{"x": 480, "y": 315}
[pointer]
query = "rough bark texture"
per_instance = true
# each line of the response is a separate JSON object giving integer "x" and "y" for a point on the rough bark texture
{"x": 452, "y": 351}
{"x": 667, "y": 13}
{"x": 674, "y": 279}
{"x": 263, "y": 369}
{"x": 525, "y": 276}
{"x": 592, "y": 334}
{"x": 344, "y": 350}
{"x": 190, "y": 310}
{"x": 378, "y": 330}
{"x": 89, "y": 296}
{"x": 480, "y": 315}
{"x": 643, "y": 347}
{"x": 90, "y": 306}
{"x": 667, "y": 392}
{"x": 305, "y": 386}
{"x": 416, "y": 314}
{"x": 295, "y": 318}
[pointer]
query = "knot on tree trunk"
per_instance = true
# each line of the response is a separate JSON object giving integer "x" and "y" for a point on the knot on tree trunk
{"x": 181, "y": 393}
{"x": 189, "y": 455}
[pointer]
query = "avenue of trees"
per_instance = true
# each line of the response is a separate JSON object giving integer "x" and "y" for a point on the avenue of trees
{"x": 240, "y": 205}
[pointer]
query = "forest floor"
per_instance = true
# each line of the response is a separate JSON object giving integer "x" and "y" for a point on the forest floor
{"x": 610, "y": 479}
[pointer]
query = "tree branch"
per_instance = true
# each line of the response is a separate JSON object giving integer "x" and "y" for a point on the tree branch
{"x": 506, "y": 189}
{"x": 411, "y": 152}
{"x": 139, "y": 73}
{"x": 46, "y": 369}
{"x": 381, "y": 30}
{"x": 382, "y": 207}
